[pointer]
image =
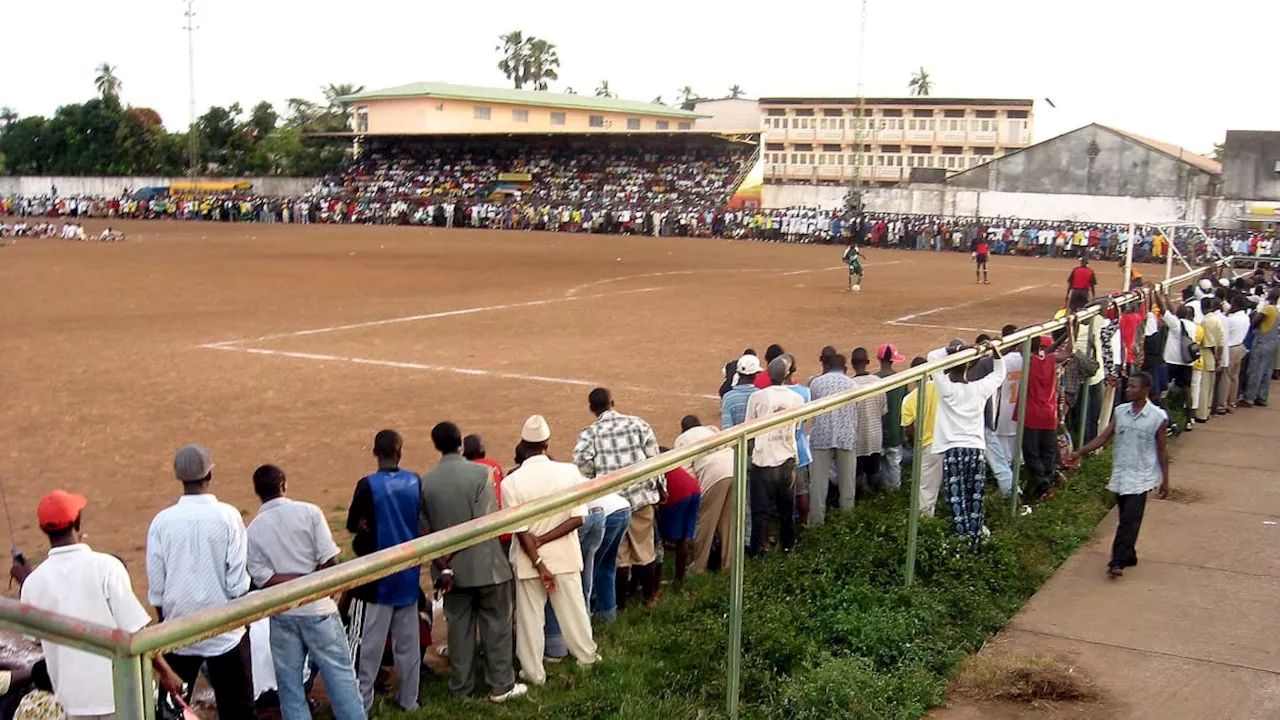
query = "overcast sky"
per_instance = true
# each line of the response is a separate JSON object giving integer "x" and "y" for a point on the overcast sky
{"x": 1174, "y": 71}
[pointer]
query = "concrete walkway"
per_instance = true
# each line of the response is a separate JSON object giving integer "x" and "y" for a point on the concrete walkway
{"x": 1194, "y": 630}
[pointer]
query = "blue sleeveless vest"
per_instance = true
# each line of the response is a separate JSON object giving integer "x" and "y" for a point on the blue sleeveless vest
{"x": 396, "y": 496}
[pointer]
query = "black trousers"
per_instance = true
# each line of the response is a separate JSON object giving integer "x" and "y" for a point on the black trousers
{"x": 1040, "y": 452}
{"x": 1131, "y": 508}
{"x": 773, "y": 494}
{"x": 230, "y": 674}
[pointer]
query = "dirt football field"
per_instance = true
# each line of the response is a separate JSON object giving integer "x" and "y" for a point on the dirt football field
{"x": 293, "y": 345}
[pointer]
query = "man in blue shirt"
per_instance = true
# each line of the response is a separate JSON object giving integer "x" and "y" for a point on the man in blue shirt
{"x": 733, "y": 406}
{"x": 384, "y": 513}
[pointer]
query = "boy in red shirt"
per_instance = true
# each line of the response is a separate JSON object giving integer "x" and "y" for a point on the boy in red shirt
{"x": 678, "y": 516}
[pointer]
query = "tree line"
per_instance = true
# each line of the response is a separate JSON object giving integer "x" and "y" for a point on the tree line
{"x": 105, "y": 136}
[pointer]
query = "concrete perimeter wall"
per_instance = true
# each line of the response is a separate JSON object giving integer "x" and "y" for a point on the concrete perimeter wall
{"x": 929, "y": 199}
{"x": 116, "y": 186}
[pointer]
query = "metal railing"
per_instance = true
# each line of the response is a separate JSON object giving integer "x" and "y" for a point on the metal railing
{"x": 131, "y": 652}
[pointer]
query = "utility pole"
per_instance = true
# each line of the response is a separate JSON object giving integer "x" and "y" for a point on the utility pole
{"x": 854, "y": 197}
{"x": 193, "y": 140}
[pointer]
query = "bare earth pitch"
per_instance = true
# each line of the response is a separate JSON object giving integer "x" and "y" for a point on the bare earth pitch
{"x": 294, "y": 345}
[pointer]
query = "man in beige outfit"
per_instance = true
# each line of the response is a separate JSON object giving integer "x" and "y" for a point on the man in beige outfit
{"x": 547, "y": 557}
{"x": 715, "y": 478}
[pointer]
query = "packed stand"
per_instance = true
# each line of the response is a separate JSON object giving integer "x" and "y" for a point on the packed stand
{"x": 532, "y": 597}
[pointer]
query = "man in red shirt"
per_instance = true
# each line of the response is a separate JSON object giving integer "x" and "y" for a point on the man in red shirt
{"x": 981, "y": 251}
{"x": 1040, "y": 438}
{"x": 1082, "y": 278}
{"x": 773, "y": 351}
{"x": 473, "y": 450}
{"x": 678, "y": 516}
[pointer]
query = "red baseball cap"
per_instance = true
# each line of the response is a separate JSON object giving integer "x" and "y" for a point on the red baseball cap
{"x": 889, "y": 351}
{"x": 59, "y": 509}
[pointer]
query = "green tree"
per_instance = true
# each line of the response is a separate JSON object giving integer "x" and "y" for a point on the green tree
{"x": 107, "y": 82}
{"x": 262, "y": 120}
{"x": 514, "y": 57}
{"x": 8, "y": 116}
{"x": 921, "y": 84}
{"x": 603, "y": 91}
{"x": 542, "y": 63}
{"x": 1219, "y": 152}
{"x": 26, "y": 146}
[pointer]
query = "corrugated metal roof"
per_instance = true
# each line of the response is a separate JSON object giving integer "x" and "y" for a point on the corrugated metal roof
{"x": 1208, "y": 165}
{"x": 539, "y": 98}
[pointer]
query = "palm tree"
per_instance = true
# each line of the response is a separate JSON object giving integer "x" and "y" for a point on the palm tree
{"x": 920, "y": 83}
{"x": 541, "y": 62}
{"x": 657, "y": 101}
{"x": 108, "y": 83}
{"x": 333, "y": 92}
{"x": 514, "y": 57}
{"x": 688, "y": 98}
{"x": 735, "y": 92}
{"x": 603, "y": 90}
{"x": 8, "y": 116}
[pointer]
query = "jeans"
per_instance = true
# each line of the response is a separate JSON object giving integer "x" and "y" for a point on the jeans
{"x": 891, "y": 467}
{"x": 605, "y": 605}
{"x": 590, "y": 536}
{"x": 293, "y": 639}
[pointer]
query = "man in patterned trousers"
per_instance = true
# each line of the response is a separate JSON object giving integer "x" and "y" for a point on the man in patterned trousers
{"x": 959, "y": 436}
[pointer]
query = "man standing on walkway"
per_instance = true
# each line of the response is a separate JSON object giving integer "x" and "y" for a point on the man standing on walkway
{"x": 1139, "y": 464}
{"x": 196, "y": 559}
{"x": 547, "y": 557}
{"x": 287, "y": 540}
{"x": 833, "y": 439}
{"x": 773, "y": 462}
{"x": 476, "y": 580}
{"x": 385, "y": 512}
{"x": 615, "y": 441}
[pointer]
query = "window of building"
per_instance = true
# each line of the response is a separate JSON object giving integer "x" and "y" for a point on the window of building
{"x": 891, "y": 113}
{"x": 901, "y": 123}
{"x": 841, "y": 124}
{"x": 557, "y": 118}
{"x": 832, "y": 112}
{"x": 920, "y": 149}
{"x": 953, "y": 113}
{"x": 951, "y": 162}
{"x": 362, "y": 118}
{"x": 1017, "y": 114}
{"x": 986, "y": 126}
{"x": 922, "y": 113}
{"x": 880, "y": 160}
{"x": 884, "y": 124}
{"x": 911, "y": 124}
{"x": 984, "y": 151}
{"x": 775, "y": 112}
{"x": 931, "y": 160}
{"x": 954, "y": 125}
{"x": 794, "y": 159}
{"x": 795, "y": 124}
{"x": 805, "y": 112}
{"x": 774, "y": 146}
{"x": 911, "y": 161}
{"x": 973, "y": 162}
{"x": 890, "y": 148}
{"x": 804, "y": 147}
{"x": 952, "y": 150}
{"x": 521, "y": 116}
{"x": 973, "y": 126}
{"x": 830, "y": 148}
{"x": 666, "y": 125}
{"x": 633, "y": 123}
{"x": 989, "y": 114}
{"x": 482, "y": 112}
{"x": 595, "y": 121}
{"x": 684, "y": 125}
{"x": 930, "y": 128}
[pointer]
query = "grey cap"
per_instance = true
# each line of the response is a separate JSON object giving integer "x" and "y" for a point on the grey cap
{"x": 779, "y": 369}
{"x": 192, "y": 463}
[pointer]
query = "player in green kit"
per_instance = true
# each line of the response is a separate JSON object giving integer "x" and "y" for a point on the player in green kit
{"x": 853, "y": 258}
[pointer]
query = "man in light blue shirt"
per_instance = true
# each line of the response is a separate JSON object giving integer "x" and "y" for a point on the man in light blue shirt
{"x": 1139, "y": 465}
{"x": 733, "y": 406}
{"x": 804, "y": 454}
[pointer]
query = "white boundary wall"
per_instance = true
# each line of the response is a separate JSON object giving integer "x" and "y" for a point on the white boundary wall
{"x": 930, "y": 199}
{"x": 116, "y": 186}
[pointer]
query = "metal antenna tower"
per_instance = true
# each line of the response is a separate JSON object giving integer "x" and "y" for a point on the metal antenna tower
{"x": 193, "y": 141}
{"x": 854, "y": 198}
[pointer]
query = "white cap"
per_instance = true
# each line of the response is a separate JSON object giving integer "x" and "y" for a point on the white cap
{"x": 535, "y": 430}
{"x": 1206, "y": 284}
{"x": 748, "y": 365}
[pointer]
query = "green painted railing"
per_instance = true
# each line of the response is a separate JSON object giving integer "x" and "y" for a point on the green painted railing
{"x": 131, "y": 653}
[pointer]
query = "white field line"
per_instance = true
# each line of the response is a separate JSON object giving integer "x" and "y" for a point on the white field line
{"x": 780, "y": 271}
{"x": 324, "y": 357}
{"x": 905, "y": 318}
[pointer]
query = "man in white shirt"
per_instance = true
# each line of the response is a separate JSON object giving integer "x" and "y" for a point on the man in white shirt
{"x": 196, "y": 559}
{"x": 547, "y": 557}
{"x": 773, "y": 462}
{"x": 86, "y": 585}
{"x": 287, "y": 540}
{"x": 1236, "y": 327}
{"x": 715, "y": 479}
{"x": 959, "y": 436}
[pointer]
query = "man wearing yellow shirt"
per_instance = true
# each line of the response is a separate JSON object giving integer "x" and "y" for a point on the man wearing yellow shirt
{"x": 930, "y": 462}
{"x": 1210, "y": 355}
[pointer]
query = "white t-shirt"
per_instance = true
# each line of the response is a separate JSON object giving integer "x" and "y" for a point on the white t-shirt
{"x": 1006, "y": 424}
{"x": 1173, "y": 341}
{"x": 91, "y": 586}
{"x": 959, "y": 422}
{"x": 778, "y": 445}
{"x": 709, "y": 469}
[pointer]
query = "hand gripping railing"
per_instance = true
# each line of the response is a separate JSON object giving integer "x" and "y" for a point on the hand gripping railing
{"x": 131, "y": 652}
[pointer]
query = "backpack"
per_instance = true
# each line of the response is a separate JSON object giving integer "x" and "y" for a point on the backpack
{"x": 1190, "y": 348}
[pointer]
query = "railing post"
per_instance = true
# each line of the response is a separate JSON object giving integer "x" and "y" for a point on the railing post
{"x": 917, "y": 458}
{"x": 737, "y": 568}
{"x": 131, "y": 697}
{"x": 1083, "y": 406}
{"x": 1022, "y": 423}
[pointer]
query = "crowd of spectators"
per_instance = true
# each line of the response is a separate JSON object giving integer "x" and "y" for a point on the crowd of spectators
{"x": 532, "y": 597}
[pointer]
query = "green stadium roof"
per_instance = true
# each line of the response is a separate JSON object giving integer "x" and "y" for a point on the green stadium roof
{"x": 540, "y": 98}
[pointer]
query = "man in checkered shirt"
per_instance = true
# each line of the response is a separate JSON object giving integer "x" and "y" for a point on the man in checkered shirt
{"x": 615, "y": 441}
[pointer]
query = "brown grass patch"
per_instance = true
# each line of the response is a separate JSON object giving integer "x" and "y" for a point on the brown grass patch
{"x": 1023, "y": 679}
{"x": 1185, "y": 495}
